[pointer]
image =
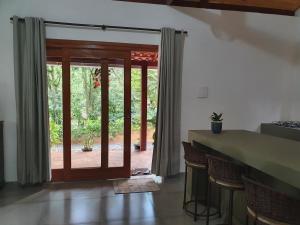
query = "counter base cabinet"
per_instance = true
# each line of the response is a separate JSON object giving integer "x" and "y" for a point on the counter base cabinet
{"x": 1, "y": 155}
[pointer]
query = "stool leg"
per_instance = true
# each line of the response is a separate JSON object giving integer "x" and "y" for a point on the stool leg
{"x": 247, "y": 219}
{"x": 219, "y": 202}
{"x": 230, "y": 207}
{"x": 208, "y": 201}
{"x": 196, "y": 196}
{"x": 206, "y": 189}
{"x": 185, "y": 180}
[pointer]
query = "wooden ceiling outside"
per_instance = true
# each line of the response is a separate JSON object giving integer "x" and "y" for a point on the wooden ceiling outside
{"x": 282, "y": 7}
{"x": 140, "y": 56}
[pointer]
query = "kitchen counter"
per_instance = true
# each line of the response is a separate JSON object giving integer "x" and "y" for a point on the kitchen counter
{"x": 271, "y": 160}
{"x": 274, "y": 156}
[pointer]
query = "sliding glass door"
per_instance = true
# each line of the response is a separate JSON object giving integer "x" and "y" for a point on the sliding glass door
{"x": 95, "y": 102}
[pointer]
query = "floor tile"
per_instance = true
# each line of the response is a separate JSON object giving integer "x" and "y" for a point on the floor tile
{"x": 65, "y": 191}
{"x": 149, "y": 221}
{"x": 20, "y": 214}
{"x": 167, "y": 204}
{"x": 129, "y": 206}
{"x": 93, "y": 203}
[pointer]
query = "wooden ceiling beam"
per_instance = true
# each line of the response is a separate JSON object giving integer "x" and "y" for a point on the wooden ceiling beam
{"x": 281, "y": 7}
{"x": 250, "y": 9}
{"x": 291, "y": 5}
{"x": 169, "y": 2}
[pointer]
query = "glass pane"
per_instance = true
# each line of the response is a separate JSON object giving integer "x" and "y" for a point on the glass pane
{"x": 136, "y": 80}
{"x": 152, "y": 97}
{"x": 141, "y": 160}
{"x": 85, "y": 115}
{"x": 116, "y": 115}
{"x": 54, "y": 73}
{"x": 138, "y": 159}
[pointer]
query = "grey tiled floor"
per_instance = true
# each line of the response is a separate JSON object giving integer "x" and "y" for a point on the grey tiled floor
{"x": 93, "y": 203}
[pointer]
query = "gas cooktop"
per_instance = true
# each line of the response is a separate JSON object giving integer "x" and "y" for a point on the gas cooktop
{"x": 289, "y": 124}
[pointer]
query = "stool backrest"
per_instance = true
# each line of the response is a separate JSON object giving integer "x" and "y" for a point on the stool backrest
{"x": 224, "y": 170}
{"x": 267, "y": 202}
{"x": 194, "y": 155}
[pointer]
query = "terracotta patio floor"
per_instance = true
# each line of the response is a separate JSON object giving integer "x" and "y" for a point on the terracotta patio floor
{"x": 93, "y": 159}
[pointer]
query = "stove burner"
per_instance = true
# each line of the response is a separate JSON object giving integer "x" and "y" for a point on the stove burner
{"x": 290, "y": 124}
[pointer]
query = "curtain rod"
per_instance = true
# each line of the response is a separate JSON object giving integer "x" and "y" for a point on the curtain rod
{"x": 103, "y": 27}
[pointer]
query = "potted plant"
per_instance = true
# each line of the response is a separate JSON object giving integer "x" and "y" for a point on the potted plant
{"x": 137, "y": 145}
{"x": 154, "y": 137}
{"x": 88, "y": 143}
{"x": 216, "y": 123}
{"x": 152, "y": 121}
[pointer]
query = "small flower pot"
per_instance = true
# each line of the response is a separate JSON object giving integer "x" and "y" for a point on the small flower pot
{"x": 87, "y": 149}
{"x": 137, "y": 147}
{"x": 216, "y": 127}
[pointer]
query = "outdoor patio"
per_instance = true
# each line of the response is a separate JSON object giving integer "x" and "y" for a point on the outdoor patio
{"x": 139, "y": 159}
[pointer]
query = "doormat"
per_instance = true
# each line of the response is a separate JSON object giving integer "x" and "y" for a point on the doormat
{"x": 140, "y": 171}
{"x": 135, "y": 186}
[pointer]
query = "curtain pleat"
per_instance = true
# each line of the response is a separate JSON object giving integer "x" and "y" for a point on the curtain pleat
{"x": 31, "y": 101}
{"x": 166, "y": 153}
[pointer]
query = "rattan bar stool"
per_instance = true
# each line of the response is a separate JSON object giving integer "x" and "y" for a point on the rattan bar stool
{"x": 266, "y": 206}
{"x": 197, "y": 161}
{"x": 226, "y": 175}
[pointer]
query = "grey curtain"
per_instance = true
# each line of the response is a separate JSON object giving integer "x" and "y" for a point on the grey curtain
{"x": 31, "y": 100}
{"x": 166, "y": 153}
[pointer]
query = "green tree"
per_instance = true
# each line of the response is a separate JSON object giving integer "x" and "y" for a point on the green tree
{"x": 86, "y": 101}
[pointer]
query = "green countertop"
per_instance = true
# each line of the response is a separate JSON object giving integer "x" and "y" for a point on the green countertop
{"x": 277, "y": 157}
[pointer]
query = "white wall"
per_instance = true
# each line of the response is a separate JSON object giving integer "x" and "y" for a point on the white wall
{"x": 291, "y": 80}
{"x": 242, "y": 57}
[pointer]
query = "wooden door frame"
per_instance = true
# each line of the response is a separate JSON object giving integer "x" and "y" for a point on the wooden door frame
{"x": 62, "y": 43}
{"x": 56, "y": 51}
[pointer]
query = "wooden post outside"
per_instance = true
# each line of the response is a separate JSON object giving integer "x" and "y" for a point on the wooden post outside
{"x": 144, "y": 87}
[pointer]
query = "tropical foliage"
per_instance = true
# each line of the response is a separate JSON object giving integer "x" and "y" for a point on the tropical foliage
{"x": 86, "y": 102}
{"x": 216, "y": 117}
